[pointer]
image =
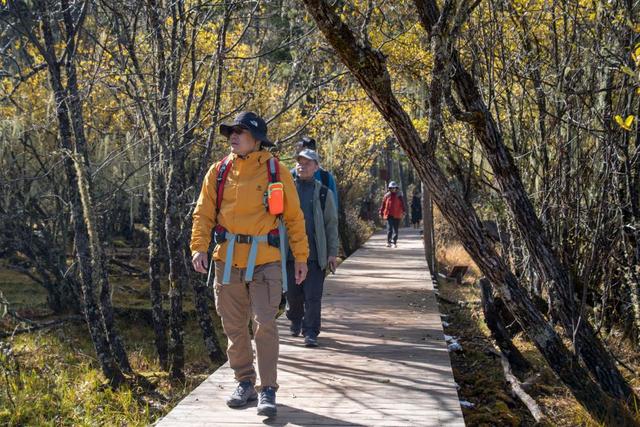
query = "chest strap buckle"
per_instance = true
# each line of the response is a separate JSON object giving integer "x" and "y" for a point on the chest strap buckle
{"x": 244, "y": 238}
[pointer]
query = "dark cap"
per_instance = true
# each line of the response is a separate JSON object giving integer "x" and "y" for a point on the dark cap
{"x": 308, "y": 142}
{"x": 253, "y": 123}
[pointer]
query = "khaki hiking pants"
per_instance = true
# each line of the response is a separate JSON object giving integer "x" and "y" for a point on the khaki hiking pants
{"x": 237, "y": 303}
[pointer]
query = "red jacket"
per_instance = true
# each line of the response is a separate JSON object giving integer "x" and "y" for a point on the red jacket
{"x": 392, "y": 206}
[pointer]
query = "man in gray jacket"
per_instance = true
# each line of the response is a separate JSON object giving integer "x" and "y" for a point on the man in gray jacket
{"x": 321, "y": 221}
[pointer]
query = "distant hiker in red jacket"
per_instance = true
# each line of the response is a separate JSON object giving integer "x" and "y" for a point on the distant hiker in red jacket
{"x": 392, "y": 210}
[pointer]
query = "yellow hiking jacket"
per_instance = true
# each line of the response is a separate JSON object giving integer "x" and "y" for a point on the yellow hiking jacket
{"x": 243, "y": 212}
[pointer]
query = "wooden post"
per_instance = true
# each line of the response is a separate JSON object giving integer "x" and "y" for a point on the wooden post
{"x": 427, "y": 224}
{"x": 403, "y": 188}
{"x": 387, "y": 161}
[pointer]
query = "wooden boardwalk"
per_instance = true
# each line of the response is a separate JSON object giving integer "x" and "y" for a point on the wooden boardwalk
{"x": 382, "y": 358}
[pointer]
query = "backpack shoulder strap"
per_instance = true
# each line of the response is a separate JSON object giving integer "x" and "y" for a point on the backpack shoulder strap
{"x": 273, "y": 170}
{"x": 324, "y": 176}
{"x": 221, "y": 179}
{"x": 324, "y": 190}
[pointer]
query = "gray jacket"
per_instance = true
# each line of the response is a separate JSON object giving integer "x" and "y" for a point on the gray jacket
{"x": 326, "y": 226}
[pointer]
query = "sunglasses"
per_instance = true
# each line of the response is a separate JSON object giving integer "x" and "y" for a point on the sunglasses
{"x": 237, "y": 130}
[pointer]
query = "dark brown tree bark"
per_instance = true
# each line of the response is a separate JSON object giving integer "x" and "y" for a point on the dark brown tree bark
{"x": 108, "y": 364}
{"x": 173, "y": 155}
{"x": 496, "y": 325}
{"x": 73, "y": 25}
{"x": 156, "y": 241}
{"x": 177, "y": 268}
{"x": 127, "y": 21}
{"x": 156, "y": 97}
{"x": 588, "y": 346}
{"x": 369, "y": 69}
{"x": 215, "y": 353}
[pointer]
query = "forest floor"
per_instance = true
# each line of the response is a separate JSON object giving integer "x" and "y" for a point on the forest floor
{"x": 478, "y": 371}
{"x": 51, "y": 376}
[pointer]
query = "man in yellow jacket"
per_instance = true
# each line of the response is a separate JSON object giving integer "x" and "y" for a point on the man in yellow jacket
{"x": 248, "y": 286}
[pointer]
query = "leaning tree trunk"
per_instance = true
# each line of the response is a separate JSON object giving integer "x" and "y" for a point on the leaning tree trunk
{"x": 496, "y": 324}
{"x": 589, "y": 347}
{"x": 369, "y": 69}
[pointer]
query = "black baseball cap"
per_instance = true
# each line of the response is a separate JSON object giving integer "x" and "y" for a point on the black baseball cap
{"x": 308, "y": 142}
{"x": 253, "y": 123}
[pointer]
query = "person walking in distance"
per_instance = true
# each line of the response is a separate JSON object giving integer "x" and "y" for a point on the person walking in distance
{"x": 247, "y": 198}
{"x": 392, "y": 209}
{"x": 321, "y": 220}
{"x": 416, "y": 209}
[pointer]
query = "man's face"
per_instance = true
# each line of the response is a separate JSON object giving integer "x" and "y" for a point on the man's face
{"x": 242, "y": 142}
{"x": 305, "y": 168}
{"x": 394, "y": 189}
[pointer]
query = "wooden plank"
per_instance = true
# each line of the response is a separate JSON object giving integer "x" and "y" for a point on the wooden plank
{"x": 382, "y": 358}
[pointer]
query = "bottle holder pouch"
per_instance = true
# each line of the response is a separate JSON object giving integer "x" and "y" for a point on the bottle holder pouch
{"x": 275, "y": 198}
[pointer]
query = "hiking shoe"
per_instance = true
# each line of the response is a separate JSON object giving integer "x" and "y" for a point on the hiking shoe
{"x": 395, "y": 245}
{"x": 295, "y": 329}
{"x": 310, "y": 341}
{"x": 267, "y": 402}
{"x": 243, "y": 394}
{"x": 389, "y": 244}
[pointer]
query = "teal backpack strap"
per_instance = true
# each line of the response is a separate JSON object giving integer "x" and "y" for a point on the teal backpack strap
{"x": 253, "y": 254}
{"x": 282, "y": 231}
{"x": 226, "y": 276}
{"x": 324, "y": 190}
{"x": 273, "y": 169}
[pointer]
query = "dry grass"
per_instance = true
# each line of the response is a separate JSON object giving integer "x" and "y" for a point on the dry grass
{"x": 51, "y": 377}
{"x": 450, "y": 252}
{"x": 454, "y": 254}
